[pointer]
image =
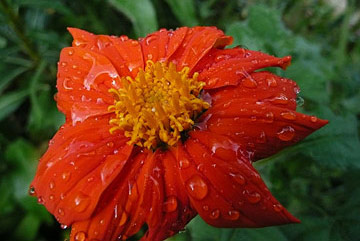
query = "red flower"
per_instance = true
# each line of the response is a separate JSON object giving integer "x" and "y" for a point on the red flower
{"x": 164, "y": 128}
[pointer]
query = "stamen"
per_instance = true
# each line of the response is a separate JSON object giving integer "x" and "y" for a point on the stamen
{"x": 157, "y": 105}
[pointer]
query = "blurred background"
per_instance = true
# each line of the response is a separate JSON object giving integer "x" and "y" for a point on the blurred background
{"x": 318, "y": 180}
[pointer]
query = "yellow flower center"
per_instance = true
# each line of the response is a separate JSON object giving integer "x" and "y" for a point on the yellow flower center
{"x": 158, "y": 105}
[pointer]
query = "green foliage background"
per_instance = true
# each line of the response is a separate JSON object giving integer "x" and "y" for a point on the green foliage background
{"x": 317, "y": 180}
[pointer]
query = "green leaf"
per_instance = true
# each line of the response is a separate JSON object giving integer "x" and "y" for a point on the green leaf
{"x": 9, "y": 76}
{"x": 335, "y": 145}
{"x": 10, "y": 101}
{"x": 29, "y": 225}
{"x": 48, "y": 5}
{"x": 184, "y": 11}
{"x": 244, "y": 36}
{"x": 266, "y": 22}
{"x": 140, "y": 12}
{"x": 200, "y": 231}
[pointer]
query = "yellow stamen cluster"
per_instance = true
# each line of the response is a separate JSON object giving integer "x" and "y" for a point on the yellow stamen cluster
{"x": 156, "y": 106}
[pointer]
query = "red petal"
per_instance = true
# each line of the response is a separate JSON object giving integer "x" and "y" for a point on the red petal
{"x": 262, "y": 118}
{"x": 222, "y": 67}
{"x": 84, "y": 78}
{"x": 147, "y": 190}
{"x": 159, "y": 46}
{"x": 197, "y": 43}
{"x": 125, "y": 54}
{"x": 260, "y": 87}
{"x": 78, "y": 166}
{"x": 226, "y": 190}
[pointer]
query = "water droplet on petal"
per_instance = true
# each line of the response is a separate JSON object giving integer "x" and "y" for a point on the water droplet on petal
{"x": 253, "y": 197}
{"x": 51, "y": 197}
{"x": 238, "y": 178}
{"x": 80, "y": 236}
{"x": 215, "y": 214}
{"x": 81, "y": 202}
{"x": 66, "y": 176}
{"x": 287, "y": 133}
{"x": 40, "y": 200}
{"x": 32, "y": 191}
{"x": 70, "y": 52}
{"x": 269, "y": 117}
{"x": 170, "y": 204}
{"x": 313, "y": 119}
{"x": 261, "y": 138}
{"x": 197, "y": 187}
{"x": 63, "y": 226}
{"x": 281, "y": 99}
{"x": 66, "y": 83}
{"x": 288, "y": 115}
{"x": 278, "y": 207}
{"x": 184, "y": 163}
{"x": 61, "y": 212}
{"x": 233, "y": 215}
{"x": 271, "y": 82}
{"x": 205, "y": 208}
{"x": 51, "y": 185}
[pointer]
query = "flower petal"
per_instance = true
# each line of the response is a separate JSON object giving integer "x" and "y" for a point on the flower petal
{"x": 148, "y": 191}
{"x": 223, "y": 67}
{"x": 159, "y": 46}
{"x": 197, "y": 43}
{"x": 79, "y": 165}
{"x": 262, "y": 121}
{"x": 124, "y": 53}
{"x": 224, "y": 187}
{"x": 83, "y": 80}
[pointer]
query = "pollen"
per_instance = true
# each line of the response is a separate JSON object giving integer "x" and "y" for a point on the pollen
{"x": 158, "y": 105}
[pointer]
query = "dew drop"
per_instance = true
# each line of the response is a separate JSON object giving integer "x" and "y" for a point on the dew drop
{"x": 288, "y": 115}
{"x": 63, "y": 64}
{"x": 269, "y": 117}
{"x": 70, "y": 52}
{"x": 278, "y": 207}
{"x": 170, "y": 204}
{"x": 313, "y": 119}
{"x": 287, "y": 133}
{"x": 271, "y": 82}
{"x": 184, "y": 163}
{"x": 197, "y": 187}
{"x": 63, "y": 226}
{"x": 51, "y": 197}
{"x": 66, "y": 83}
{"x": 61, "y": 212}
{"x": 238, "y": 178}
{"x": 205, "y": 208}
{"x": 66, "y": 176}
{"x": 233, "y": 215}
{"x": 281, "y": 99}
{"x": 261, "y": 138}
{"x": 110, "y": 144}
{"x": 253, "y": 197}
{"x": 80, "y": 236}
{"x": 215, "y": 214}
{"x": 81, "y": 202}
{"x": 51, "y": 185}
{"x": 32, "y": 191}
{"x": 40, "y": 200}
{"x": 299, "y": 101}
